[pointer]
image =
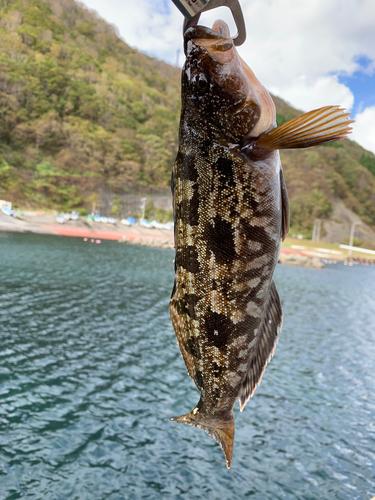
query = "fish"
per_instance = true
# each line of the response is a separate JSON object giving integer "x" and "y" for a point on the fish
{"x": 231, "y": 212}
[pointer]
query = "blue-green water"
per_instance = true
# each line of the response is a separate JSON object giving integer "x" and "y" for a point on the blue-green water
{"x": 90, "y": 372}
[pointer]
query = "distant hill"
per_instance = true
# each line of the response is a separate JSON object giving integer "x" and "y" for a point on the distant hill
{"x": 82, "y": 113}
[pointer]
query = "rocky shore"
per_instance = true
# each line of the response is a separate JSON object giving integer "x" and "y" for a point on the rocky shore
{"x": 297, "y": 259}
{"x": 149, "y": 242}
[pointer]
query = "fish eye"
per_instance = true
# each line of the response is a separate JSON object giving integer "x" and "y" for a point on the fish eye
{"x": 201, "y": 83}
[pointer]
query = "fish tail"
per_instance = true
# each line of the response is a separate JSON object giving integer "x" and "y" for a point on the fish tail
{"x": 220, "y": 429}
{"x": 315, "y": 127}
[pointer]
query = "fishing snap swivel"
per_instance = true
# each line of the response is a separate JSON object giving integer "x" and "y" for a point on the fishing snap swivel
{"x": 192, "y": 9}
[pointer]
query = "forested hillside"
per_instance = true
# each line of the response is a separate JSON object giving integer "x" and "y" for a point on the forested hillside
{"x": 79, "y": 109}
{"x": 81, "y": 112}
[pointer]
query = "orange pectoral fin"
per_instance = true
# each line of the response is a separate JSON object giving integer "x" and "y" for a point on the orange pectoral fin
{"x": 316, "y": 127}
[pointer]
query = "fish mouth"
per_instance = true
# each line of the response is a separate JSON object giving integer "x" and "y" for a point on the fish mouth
{"x": 205, "y": 33}
{"x": 216, "y": 41}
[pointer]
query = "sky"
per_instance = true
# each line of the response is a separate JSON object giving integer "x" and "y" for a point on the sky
{"x": 311, "y": 53}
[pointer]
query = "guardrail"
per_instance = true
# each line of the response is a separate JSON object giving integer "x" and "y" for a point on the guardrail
{"x": 356, "y": 249}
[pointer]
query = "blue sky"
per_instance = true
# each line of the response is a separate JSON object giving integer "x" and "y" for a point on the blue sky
{"x": 309, "y": 52}
{"x": 362, "y": 84}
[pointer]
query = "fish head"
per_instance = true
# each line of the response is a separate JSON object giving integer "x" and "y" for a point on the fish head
{"x": 219, "y": 90}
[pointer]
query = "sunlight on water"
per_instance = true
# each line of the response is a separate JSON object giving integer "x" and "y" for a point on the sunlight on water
{"x": 90, "y": 373}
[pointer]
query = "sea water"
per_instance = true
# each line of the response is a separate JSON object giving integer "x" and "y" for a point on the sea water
{"x": 90, "y": 373}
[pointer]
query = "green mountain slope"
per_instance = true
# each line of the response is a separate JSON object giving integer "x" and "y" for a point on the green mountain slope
{"x": 81, "y": 111}
{"x": 79, "y": 108}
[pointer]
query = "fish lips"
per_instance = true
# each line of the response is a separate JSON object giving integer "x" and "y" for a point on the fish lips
{"x": 205, "y": 33}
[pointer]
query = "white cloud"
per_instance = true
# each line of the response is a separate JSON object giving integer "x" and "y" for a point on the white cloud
{"x": 364, "y": 129}
{"x": 298, "y": 47}
{"x": 157, "y": 31}
{"x": 307, "y": 95}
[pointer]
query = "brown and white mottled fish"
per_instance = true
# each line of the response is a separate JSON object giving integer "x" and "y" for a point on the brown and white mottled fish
{"x": 231, "y": 213}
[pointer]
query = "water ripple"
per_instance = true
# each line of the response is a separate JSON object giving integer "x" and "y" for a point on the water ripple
{"x": 90, "y": 373}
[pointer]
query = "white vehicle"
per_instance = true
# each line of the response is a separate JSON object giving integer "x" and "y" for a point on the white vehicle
{"x": 111, "y": 220}
{"x": 104, "y": 219}
{"x": 129, "y": 221}
{"x": 74, "y": 216}
{"x": 7, "y": 211}
{"x": 145, "y": 223}
{"x": 60, "y": 219}
{"x": 157, "y": 225}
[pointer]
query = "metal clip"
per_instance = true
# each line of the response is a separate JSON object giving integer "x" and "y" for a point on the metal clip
{"x": 192, "y": 10}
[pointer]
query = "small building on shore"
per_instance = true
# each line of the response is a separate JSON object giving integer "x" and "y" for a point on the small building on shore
{"x": 7, "y": 204}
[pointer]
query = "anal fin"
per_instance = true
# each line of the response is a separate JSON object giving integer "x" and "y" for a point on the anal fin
{"x": 268, "y": 333}
{"x": 315, "y": 127}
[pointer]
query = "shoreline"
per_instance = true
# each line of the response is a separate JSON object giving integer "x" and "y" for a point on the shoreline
{"x": 38, "y": 223}
{"x": 46, "y": 224}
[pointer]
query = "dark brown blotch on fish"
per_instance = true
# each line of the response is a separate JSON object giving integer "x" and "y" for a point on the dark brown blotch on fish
{"x": 187, "y": 210}
{"x": 217, "y": 329}
{"x": 258, "y": 234}
{"x": 187, "y": 257}
{"x": 186, "y": 167}
{"x": 199, "y": 379}
{"x": 219, "y": 235}
{"x": 191, "y": 301}
{"x": 225, "y": 170}
{"x": 180, "y": 306}
{"x": 192, "y": 347}
{"x": 220, "y": 330}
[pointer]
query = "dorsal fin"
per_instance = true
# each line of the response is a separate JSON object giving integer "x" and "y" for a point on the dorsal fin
{"x": 315, "y": 127}
{"x": 268, "y": 334}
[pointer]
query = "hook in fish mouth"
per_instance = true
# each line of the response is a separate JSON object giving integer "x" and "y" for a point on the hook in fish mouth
{"x": 196, "y": 31}
{"x": 237, "y": 14}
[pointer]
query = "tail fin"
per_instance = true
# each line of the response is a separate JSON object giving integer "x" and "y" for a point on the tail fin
{"x": 222, "y": 430}
{"x": 316, "y": 127}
